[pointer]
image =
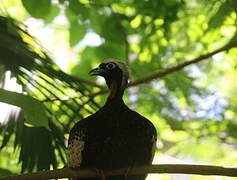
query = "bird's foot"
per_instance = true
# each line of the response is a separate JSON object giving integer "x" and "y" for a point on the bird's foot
{"x": 100, "y": 173}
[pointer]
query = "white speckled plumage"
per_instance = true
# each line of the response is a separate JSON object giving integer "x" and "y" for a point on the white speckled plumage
{"x": 75, "y": 147}
{"x": 75, "y": 153}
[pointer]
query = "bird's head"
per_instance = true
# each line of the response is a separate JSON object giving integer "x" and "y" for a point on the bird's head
{"x": 116, "y": 75}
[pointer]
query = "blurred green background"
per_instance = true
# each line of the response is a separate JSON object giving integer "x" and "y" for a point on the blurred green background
{"x": 194, "y": 109}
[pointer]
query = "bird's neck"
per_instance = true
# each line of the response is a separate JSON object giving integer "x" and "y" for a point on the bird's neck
{"x": 116, "y": 92}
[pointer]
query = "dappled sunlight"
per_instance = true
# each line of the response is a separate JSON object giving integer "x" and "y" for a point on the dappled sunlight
{"x": 7, "y": 110}
{"x": 182, "y": 56}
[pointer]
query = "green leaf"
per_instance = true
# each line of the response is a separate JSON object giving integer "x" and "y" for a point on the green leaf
{"x": 4, "y": 172}
{"x": 61, "y": 1}
{"x": 41, "y": 151}
{"x": 37, "y": 9}
{"x": 231, "y": 126}
{"x": 85, "y": 66}
{"x": 112, "y": 31}
{"x": 108, "y": 50}
{"x": 218, "y": 19}
{"x": 54, "y": 10}
{"x": 79, "y": 9}
{"x": 97, "y": 21}
{"x": 2, "y": 71}
{"x": 71, "y": 16}
{"x": 34, "y": 111}
{"x": 77, "y": 32}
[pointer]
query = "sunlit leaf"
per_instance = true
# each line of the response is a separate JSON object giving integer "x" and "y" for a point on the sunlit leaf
{"x": 194, "y": 109}
{"x": 33, "y": 110}
{"x": 38, "y": 9}
{"x": 97, "y": 21}
{"x": 79, "y": 9}
{"x": 218, "y": 19}
{"x": 77, "y": 32}
{"x": 54, "y": 11}
{"x": 2, "y": 71}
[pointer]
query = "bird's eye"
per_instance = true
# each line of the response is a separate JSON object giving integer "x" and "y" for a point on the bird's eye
{"x": 110, "y": 66}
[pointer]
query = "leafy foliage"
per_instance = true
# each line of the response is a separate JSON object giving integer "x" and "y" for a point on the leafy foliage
{"x": 37, "y": 74}
{"x": 31, "y": 107}
{"x": 37, "y": 9}
{"x": 191, "y": 108}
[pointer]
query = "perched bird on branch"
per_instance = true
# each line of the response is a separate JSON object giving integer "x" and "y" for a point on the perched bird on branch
{"x": 115, "y": 136}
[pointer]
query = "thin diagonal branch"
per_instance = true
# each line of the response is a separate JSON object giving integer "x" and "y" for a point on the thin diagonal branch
{"x": 181, "y": 66}
{"x": 173, "y": 69}
{"x": 162, "y": 168}
{"x": 165, "y": 72}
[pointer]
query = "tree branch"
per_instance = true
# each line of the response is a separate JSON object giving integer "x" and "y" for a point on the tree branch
{"x": 181, "y": 66}
{"x": 162, "y": 168}
{"x": 162, "y": 73}
{"x": 173, "y": 69}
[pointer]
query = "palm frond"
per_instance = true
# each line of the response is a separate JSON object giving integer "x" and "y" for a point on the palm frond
{"x": 66, "y": 98}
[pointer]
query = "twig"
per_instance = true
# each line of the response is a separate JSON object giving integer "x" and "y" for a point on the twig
{"x": 162, "y": 168}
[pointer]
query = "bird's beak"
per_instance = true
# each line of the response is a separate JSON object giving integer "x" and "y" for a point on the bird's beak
{"x": 97, "y": 71}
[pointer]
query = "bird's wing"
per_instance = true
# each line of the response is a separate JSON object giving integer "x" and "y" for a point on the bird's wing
{"x": 153, "y": 149}
{"x": 76, "y": 145}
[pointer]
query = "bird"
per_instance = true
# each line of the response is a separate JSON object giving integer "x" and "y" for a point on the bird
{"x": 115, "y": 136}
